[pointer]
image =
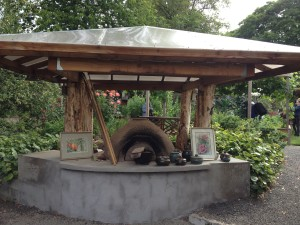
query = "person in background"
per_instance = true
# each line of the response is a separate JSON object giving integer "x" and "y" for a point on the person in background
{"x": 296, "y": 122}
{"x": 144, "y": 110}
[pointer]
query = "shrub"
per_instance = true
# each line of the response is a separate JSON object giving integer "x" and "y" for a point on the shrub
{"x": 262, "y": 150}
{"x": 134, "y": 105}
{"x": 14, "y": 145}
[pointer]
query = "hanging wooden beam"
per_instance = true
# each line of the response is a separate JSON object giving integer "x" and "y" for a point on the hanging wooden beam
{"x": 96, "y": 107}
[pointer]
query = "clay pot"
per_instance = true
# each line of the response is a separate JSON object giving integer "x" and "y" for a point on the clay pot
{"x": 144, "y": 159}
{"x": 180, "y": 161}
{"x": 163, "y": 160}
{"x": 225, "y": 157}
{"x": 196, "y": 159}
{"x": 174, "y": 155}
{"x": 187, "y": 155}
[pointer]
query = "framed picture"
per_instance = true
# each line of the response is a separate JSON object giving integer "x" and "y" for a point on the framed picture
{"x": 76, "y": 145}
{"x": 203, "y": 143}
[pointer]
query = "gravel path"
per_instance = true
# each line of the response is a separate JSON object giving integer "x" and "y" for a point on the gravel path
{"x": 279, "y": 206}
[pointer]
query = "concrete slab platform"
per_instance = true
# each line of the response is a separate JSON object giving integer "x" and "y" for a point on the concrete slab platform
{"x": 125, "y": 193}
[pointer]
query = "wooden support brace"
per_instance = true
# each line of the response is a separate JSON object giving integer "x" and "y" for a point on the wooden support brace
{"x": 97, "y": 109}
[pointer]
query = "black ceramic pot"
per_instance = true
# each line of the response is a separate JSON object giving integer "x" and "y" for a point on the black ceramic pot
{"x": 187, "y": 155}
{"x": 145, "y": 158}
{"x": 225, "y": 157}
{"x": 174, "y": 155}
{"x": 196, "y": 159}
{"x": 180, "y": 161}
{"x": 163, "y": 160}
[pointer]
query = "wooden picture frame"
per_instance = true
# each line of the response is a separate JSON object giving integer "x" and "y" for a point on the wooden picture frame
{"x": 203, "y": 143}
{"x": 76, "y": 145}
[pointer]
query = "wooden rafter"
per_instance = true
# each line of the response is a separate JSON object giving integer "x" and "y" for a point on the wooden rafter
{"x": 13, "y": 66}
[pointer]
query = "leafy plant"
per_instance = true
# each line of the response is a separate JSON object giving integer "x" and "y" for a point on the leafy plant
{"x": 257, "y": 141}
{"x": 14, "y": 145}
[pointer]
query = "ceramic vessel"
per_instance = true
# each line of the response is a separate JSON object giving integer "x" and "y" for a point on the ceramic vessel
{"x": 180, "y": 161}
{"x": 163, "y": 160}
{"x": 196, "y": 159}
{"x": 174, "y": 155}
{"x": 225, "y": 157}
{"x": 144, "y": 159}
{"x": 187, "y": 155}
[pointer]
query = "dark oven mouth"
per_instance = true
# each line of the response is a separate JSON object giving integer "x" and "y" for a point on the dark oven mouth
{"x": 140, "y": 133}
{"x": 150, "y": 143}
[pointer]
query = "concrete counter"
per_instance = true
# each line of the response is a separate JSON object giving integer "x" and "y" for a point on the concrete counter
{"x": 125, "y": 193}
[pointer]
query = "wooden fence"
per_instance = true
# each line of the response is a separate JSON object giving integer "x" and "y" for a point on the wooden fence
{"x": 169, "y": 125}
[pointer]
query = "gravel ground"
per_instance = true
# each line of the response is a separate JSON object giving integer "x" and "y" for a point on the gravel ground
{"x": 279, "y": 206}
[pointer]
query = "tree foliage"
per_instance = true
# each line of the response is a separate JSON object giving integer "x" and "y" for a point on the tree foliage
{"x": 17, "y": 16}
{"x": 48, "y": 15}
{"x": 277, "y": 22}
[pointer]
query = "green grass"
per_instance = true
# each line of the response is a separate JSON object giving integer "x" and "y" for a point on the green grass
{"x": 295, "y": 140}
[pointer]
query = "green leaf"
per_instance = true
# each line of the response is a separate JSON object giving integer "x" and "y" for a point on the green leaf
{"x": 254, "y": 179}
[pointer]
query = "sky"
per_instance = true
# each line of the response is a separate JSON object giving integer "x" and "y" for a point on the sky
{"x": 238, "y": 10}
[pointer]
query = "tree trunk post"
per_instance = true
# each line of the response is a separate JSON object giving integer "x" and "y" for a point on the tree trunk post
{"x": 204, "y": 106}
{"x": 78, "y": 109}
{"x": 185, "y": 117}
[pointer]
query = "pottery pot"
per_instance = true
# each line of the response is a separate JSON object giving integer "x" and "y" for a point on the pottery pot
{"x": 144, "y": 159}
{"x": 225, "y": 157}
{"x": 187, "y": 155}
{"x": 163, "y": 160}
{"x": 180, "y": 161}
{"x": 196, "y": 159}
{"x": 174, "y": 155}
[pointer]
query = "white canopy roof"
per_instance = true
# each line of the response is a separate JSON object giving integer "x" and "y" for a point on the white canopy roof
{"x": 136, "y": 57}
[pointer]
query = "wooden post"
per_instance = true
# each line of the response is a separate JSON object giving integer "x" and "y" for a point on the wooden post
{"x": 204, "y": 106}
{"x": 249, "y": 108}
{"x": 78, "y": 109}
{"x": 185, "y": 117}
{"x": 147, "y": 103}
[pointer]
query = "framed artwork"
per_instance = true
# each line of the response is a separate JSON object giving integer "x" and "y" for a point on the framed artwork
{"x": 76, "y": 145}
{"x": 203, "y": 143}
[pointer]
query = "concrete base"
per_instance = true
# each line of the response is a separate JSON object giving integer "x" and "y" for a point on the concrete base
{"x": 125, "y": 193}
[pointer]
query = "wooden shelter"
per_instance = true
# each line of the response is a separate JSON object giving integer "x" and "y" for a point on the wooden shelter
{"x": 143, "y": 58}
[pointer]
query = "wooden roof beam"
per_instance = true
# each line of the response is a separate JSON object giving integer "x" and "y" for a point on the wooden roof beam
{"x": 114, "y": 52}
{"x": 146, "y": 68}
{"x": 137, "y": 85}
{"x": 13, "y": 66}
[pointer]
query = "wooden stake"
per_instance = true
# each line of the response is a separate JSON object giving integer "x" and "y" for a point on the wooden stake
{"x": 100, "y": 119}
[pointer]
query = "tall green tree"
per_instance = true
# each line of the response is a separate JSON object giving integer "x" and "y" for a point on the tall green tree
{"x": 16, "y": 16}
{"x": 277, "y": 22}
{"x": 191, "y": 15}
{"x": 19, "y": 97}
{"x": 78, "y": 14}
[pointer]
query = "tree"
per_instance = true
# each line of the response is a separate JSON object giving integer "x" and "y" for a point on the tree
{"x": 191, "y": 15}
{"x": 19, "y": 97}
{"x": 277, "y": 22}
{"x": 78, "y": 14}
{"x": 16, "y": 16}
